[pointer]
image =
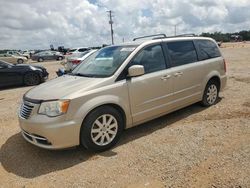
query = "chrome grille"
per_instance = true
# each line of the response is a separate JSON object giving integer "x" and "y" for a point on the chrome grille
{"x": 26, "y": 109}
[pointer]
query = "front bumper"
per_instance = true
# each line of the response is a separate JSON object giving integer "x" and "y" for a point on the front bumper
{"x": 50, "y": 133}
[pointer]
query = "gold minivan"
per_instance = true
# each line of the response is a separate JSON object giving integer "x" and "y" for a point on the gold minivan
{"x": 119, "y": 87}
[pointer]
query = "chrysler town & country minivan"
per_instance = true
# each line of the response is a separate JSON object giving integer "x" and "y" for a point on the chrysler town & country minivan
{"x": 119, "y": 87}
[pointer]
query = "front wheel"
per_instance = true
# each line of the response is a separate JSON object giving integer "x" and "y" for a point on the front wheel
{"x": 59, "y": 58}
{"x": 31, "y": 79}
{"x": 211, "y": 93}
{"x": 101, "y": 129}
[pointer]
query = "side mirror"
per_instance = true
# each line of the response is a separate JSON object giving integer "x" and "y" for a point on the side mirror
{"x": 136, "y": 70}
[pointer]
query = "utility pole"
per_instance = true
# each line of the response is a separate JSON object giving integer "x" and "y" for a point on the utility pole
{"x": 175, "y": 29}
{"x": 111, "y": 25}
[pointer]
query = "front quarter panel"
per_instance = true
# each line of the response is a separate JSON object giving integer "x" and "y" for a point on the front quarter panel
{"x": 116, "y": 94}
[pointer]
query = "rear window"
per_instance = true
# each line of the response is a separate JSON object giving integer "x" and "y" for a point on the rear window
{"x": 207, "y": 49}
{"x": 72, "y": 50}
{"x": 182, "y": 52}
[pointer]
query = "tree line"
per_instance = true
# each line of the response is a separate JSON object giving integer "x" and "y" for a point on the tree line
{"x": 227, "y": 37}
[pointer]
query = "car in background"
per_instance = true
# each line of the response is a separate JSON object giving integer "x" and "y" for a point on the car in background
{"x": 72, "y": 62}
{"x": 77, "y": 51}
{"x": 17, "y": 53}
{"x": 14, "y": 59}
{"x": 47, "y": 55}
{"x": 21, "y": 74}
{"x": 26, "y": 53}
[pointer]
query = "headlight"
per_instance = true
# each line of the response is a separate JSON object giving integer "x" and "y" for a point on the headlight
{"x": 54, "y": 108}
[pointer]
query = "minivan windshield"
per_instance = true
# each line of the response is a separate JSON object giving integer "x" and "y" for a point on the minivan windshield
{"x": 104, "y": 63}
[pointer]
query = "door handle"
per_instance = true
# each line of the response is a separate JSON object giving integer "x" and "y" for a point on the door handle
{"x": 178, "y": 74}
{"x": 165, "y": 77}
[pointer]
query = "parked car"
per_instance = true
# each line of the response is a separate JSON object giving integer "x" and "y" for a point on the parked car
{"x": 26, "y": 53}
{"x": 14, "y": 59}
{"x": 21, "y": 74}
{"x": 47, "y": 55}
{"x": 120, "y": 87}
{"x": 77, "y": 51}
{"x": 72, "y": 62}
{"x": 17, "y": 53}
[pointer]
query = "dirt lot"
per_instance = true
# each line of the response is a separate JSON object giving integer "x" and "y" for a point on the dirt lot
{"x": 193, "y": 147}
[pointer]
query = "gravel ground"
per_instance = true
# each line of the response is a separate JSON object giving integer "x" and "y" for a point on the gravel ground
{"x": 192, "y": 147}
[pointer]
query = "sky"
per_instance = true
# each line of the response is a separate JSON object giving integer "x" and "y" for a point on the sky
{"x": 35, "y": 24}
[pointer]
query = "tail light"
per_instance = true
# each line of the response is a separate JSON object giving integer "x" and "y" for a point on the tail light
{"x": 75, "y": 62}
{"x": 225, "y": 65}
{"x": 69, "y": 53}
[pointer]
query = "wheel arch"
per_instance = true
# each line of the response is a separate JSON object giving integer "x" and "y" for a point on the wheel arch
{"x": 212, "y": 76}
{"x": 114, "y": 105}
{"x": 120, "y": 104}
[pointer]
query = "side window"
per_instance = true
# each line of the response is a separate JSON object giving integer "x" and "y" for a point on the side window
{"x": 151, "y": 58}
{"x": 182, "y": 52}
{"x": 82, "y": 49}
{"x": 207, "y": 49}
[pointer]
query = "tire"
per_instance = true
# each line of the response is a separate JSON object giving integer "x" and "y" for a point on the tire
{"x": 95, "y": 134}
{"x": 31, "y": 79}
{"x": 40, "y": 59}
{"x": 59, "y": 58}
{"x": 20, "y": 61}
{"x": 211, "y": 93}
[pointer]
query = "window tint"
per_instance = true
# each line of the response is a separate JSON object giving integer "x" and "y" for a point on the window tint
{"x": 82, "y": 49}
{"x": 182, "y": 52}
{"x": 151, "y": 58}
{"x": 207, "y": 49}
{"x": 72, "y": 50}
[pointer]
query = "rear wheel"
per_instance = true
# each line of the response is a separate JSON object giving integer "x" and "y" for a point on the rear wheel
{"x": 101, "y": 129}
{"x": 211, "y": 93}
{"x": 20, "y": 61}
{"x": 31, "y": 79}
{"x": 60, "y": 58}
{"x": 40, "y": 59}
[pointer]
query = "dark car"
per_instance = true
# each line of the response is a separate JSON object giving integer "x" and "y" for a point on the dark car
{"x": 47, "y": 55}
{"x": 21, "y": 74}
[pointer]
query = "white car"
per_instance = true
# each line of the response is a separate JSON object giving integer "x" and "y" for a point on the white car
{"x": 72, "y": 62}
{"x": 77, "y": 51}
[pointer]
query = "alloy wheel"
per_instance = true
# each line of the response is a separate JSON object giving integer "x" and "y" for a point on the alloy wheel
{"x": 212, "y": 93}
{"x": 104, "y": 129}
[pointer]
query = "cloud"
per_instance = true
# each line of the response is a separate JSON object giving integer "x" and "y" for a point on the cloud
{"x": 29, "y": 24}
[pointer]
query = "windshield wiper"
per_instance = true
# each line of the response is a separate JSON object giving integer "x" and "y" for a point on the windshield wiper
{"x": 84, "y": 75}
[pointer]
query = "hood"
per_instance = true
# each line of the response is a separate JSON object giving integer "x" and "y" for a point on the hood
{"x": 33, "y": 67}
{"x": 63, "y": 86}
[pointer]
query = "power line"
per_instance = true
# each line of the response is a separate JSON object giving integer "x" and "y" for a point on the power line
{"x": 111, "y": 25}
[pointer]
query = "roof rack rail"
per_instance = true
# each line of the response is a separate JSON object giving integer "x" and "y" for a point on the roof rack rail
{"x": 183, "y": 35}
{"x": 186, "y": 35}
{"x": 163, "y": 36}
